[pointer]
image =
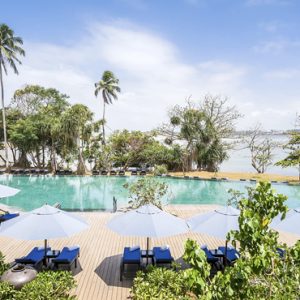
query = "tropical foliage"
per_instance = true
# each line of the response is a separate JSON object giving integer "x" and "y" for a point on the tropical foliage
{"x": 260, "y": 272}
{"x": 201, "y": 129}
{"x": 146, "y": 190}
{"x": 293, "y": 157}
{"x": 47, "y": 285}
{"x": 108, "y": 87}
{"x": 10, "y": 49}
{"x": 45, "y": 130}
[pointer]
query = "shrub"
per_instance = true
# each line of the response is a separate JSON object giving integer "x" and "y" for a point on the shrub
{"x": 146, "y": 190}
{"x": 160, "y": 170}
{"x": 159, "y": 283}
{"x": 3, "y": 266}
{"x": 47, "y": 285}
{"x": 7, "y": 291}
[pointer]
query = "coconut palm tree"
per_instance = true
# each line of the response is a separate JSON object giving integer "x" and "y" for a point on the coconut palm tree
{"x": 108, "y": 85}
{"x": 10, "y": 47}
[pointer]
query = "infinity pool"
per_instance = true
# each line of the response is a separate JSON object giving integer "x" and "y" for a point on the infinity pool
{"x": 96, "y": 193}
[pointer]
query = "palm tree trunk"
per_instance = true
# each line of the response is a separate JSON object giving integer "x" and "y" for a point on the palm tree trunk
{"x": 103, "y": 124}
{"x": 4, "y": 120}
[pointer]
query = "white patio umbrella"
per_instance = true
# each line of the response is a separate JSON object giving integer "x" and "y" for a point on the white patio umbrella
{"x": 216, "y": 223}
{"x": 6, "y": 191}
{"x": 46, "y": 222}
{"x": 290, "y": 224}
{"x": 147, "y": 221}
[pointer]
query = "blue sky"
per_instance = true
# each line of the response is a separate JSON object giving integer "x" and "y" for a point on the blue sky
{"x": 163, "y": 52}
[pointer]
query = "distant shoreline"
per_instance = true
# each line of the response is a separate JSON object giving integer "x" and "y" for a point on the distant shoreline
{"x": 240, "y": 175}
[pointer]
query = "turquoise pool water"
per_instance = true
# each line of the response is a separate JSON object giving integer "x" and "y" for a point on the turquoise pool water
{"x": 96, "y": 193}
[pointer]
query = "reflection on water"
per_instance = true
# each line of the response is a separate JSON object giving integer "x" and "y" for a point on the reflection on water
{"x": 96, "y": 193}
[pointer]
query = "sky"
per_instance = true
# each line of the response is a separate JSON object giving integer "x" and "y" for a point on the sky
{"x": 163, "y": 52}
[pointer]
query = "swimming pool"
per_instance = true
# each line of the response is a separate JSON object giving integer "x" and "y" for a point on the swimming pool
{"x": 96, "y": 192}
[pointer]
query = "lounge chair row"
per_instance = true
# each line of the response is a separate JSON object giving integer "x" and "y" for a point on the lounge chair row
{"x": 120, "y": 173}
{"x": 67, "y": 256}
{"x": 29, "y": 171}
{"x": 134, "y": 256}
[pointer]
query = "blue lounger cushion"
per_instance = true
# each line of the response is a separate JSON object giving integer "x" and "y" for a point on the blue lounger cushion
{"x": 67, "y": 255}
{"x": 209, "y": 257}
{"x": 162, "y": 255}
{"x": 8, "y": 216}
{"x": 281, "y": 252}
{"x": 231, "y": 255}
{"x": 35, "y": 256}
{"x": 131, "y": 256}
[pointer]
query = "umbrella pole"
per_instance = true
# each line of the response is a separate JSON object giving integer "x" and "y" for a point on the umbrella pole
{"x": 45, "y": 246}
{"x": 225, "y": 258}
{"x": 147, "y": 251}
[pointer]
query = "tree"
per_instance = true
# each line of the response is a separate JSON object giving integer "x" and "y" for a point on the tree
{"x": 261, "y": 149}
{"x": 293, "y": 158}
{"x": 23, "y": 134}
{"x": 76, "y": 131}
{"x": 108, "y": 86}
{"x": 32, "y": 98}
{"x": 202, "y": 128}
{"x": 146, "y": 190}
{"x": 10, "y": 48}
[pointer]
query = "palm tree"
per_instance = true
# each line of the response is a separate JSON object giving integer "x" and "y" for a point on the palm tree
{"x": 108, "y": 85}
{"x": 9, "y": 49}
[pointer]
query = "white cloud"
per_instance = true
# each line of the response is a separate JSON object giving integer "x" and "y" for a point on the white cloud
{"x": 283, "y": 74}
{"x": 273, "y": 26}
{"x": 276, "y": 46}
{"x": 152, "y": 74}
{"x": 267, "y": 2}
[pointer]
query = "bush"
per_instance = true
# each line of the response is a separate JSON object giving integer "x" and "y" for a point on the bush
{"x": 159, "y": 283}
{"x": 47, "y": 285}
{"x": 160, "y": 170}
{"x": 7, "y": 291}
{"x": 146, "y": 190}
{"x": 3, "y": 266}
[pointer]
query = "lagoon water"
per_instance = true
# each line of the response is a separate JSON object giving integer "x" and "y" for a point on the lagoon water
{"x": 97, "y": 192}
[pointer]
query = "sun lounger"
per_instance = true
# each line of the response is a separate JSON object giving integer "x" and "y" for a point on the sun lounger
{"x": 162, "y": 255}
{"x": 103, "y": 172}
{"x": 7, "y": 216}
{"x": 211, "y": 259}
{"x": 113, "y": 173}
{"x": 143, "y": 173}
{"x": 121, "y": 172}
{"x": 281, "y": 252}
{"x": 34, "y": 257}
{"x": 67, "y": 256}
{"x": 134, "y": 172}
{"x": 96, "y": 172}
{"x": 131, "y": 256}
{"x": 231, "y": 254}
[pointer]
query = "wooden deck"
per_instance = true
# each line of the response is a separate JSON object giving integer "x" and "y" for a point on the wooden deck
{"x": 98, "y": 272}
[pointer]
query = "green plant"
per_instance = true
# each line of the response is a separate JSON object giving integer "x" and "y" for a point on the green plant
{"x": 259, "y": 273}
{"x": 7, "y": 291}
{"x": 3, "y": 266}
{"x": 48, "y": 285}
{"x": 146, "y": 190}
{"x": 160, "y": 283}
{"x": 160, "y": 170}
